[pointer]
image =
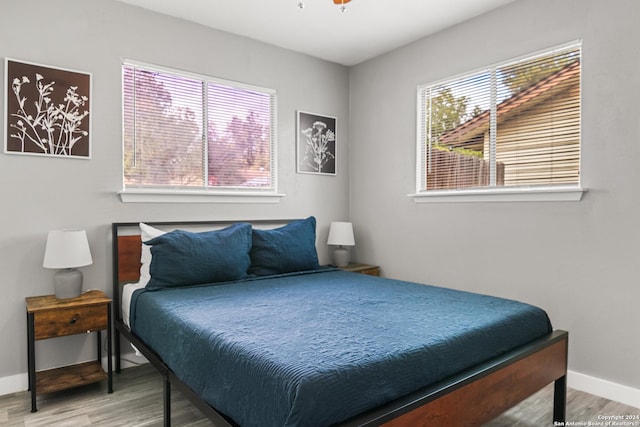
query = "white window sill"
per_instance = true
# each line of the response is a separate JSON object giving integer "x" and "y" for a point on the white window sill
{"x": 173, "y": 196}
{"x": 508, "y": 194}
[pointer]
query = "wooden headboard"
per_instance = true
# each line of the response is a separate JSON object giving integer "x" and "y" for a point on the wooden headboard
{"x": 129, "y": 251}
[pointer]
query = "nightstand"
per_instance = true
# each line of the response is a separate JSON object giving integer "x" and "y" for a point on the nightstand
{"x": 49, "y": 317}
{"x": 371, "y": 270}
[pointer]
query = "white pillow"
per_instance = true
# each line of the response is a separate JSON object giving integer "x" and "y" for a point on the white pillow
{"x": 146, "y": 233}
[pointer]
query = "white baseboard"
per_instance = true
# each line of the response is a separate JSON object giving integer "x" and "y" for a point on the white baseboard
{"x": 609, "y": 390}
{"x": 14, "y": 384}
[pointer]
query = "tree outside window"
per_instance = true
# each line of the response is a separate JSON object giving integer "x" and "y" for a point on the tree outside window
{"x": 189, "y": 132}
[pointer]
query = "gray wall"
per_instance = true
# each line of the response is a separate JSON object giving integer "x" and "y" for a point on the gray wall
{"x": 39, "y": 194}
{"x": 578, "y": 260}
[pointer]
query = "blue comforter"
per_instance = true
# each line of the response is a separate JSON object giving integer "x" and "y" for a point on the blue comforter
{"x": 316, "y": 349}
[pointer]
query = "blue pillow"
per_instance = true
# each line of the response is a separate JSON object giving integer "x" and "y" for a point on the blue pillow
{"x": 286, "y": 249}
{"x": 183, "y": 258}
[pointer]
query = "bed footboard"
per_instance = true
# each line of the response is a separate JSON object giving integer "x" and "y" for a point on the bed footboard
{"x": 481, "y": 394}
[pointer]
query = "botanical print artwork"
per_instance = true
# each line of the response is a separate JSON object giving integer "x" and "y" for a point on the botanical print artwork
{"x": 316, "y": 144}
{"x": 47, "y": 110}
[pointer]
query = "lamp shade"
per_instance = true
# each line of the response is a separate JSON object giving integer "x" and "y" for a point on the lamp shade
{"x": 341, "y": 233}
{"x": 67, "y": 249}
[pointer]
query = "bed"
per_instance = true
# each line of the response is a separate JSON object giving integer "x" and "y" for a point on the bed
{"x": 264, "y": 336}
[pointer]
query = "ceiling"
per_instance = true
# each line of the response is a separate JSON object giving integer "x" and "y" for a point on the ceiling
{"x": 366, "y": 29}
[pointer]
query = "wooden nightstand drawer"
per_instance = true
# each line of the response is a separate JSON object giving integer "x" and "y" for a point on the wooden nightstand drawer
{"x": 69, "y": 321}
{"x": 371, "y": 270}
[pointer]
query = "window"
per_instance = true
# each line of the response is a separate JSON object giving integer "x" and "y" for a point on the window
{"x": 511, "y": 126}
{"x": 185, "y": 132}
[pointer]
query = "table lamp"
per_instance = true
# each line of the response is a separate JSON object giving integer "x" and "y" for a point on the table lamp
{"x": 66, "y": 250}
{"x": 341, "y": 234}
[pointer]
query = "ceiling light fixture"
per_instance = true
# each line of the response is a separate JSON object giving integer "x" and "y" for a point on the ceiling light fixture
{"x": 340, "y": 2}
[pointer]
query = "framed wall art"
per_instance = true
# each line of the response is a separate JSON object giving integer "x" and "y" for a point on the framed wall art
{"x": 316, "y": 143}
{"x": 48, "y": 110}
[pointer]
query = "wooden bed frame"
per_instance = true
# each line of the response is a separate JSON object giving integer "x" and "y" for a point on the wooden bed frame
{"x": 469, "y": 398}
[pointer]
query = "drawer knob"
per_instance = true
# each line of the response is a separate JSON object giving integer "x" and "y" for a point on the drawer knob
{"x": 73, "y": 320}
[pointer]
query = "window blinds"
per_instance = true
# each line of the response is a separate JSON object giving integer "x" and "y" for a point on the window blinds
{"x": 513, "y": 124}
{"x": 183, "y": 130}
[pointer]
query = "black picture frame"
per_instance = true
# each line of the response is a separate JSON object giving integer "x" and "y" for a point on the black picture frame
{"x": 316, "y": 143}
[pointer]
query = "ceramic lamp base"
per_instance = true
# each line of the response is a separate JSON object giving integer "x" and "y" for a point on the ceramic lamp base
{"x": 340, "y": 257}
{"x": 68, "y": 283}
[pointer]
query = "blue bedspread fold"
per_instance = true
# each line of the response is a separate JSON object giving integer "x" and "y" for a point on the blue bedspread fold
{"x": 316, "y": 349}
